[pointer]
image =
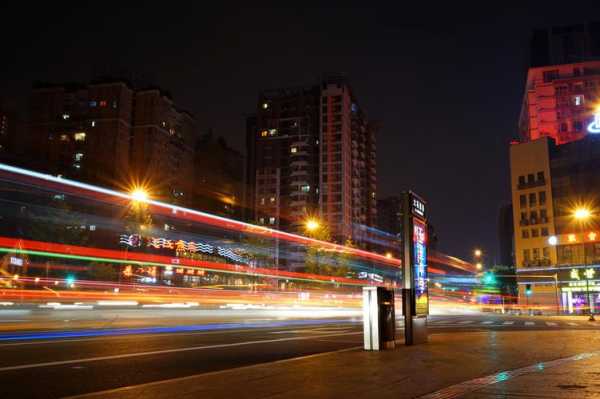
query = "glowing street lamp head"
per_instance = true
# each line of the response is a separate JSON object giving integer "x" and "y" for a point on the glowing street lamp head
{"x": 582, "y": 213}
{"x": 389, "y": 255}
{"x": 477, "y": 252}
{"x": 553, "y": 240}
{"x": 139, "y": 194}
{"x": 312, "y": 225}
{"x": 479, "y": 266}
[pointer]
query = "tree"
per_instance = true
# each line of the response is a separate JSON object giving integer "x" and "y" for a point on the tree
{"x": 102, "y": 272}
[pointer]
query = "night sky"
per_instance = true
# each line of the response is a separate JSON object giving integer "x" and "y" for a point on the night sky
{"x": 445, "y": 82}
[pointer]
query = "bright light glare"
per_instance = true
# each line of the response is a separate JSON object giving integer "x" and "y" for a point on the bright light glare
{"x": 582, "y": 213}
{"x": 139, "y": 195}
{"x": 477, "y": 252}
{"x": 312, "y": 225}
{"x": 553, "y": 240}
{"x": 479, "y": 266}
{"x": 389, "y": 255}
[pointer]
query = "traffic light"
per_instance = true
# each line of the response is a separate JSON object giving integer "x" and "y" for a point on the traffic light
{"x": 528, "y": 289}
{"x": 489, "y": 278}
{"x": 70, "y": 281}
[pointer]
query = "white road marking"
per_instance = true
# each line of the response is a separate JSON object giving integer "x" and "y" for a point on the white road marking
{"x": 487, "y": 322}
{"x": 508, "y": 323}
{"x": 164, "y": 351}
{"x": 465, "y": 322}
{"x": 551, "y": 324}
{"x": 530, "y": 323}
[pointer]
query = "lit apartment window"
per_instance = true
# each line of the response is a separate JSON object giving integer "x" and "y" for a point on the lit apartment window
{"x": 526, "y": 255}
{"x": 264, "y": 133}
{"x": 265, "y": 105}
{"x": 66, "y": 116}
{"x": 79, "y": 136}
{"x": 525, "y": 233}
{"x": 93, "y": 104}
{"x": 536, "y": 253}
{"x": 272, "y": 132}
{"x": 271, "y": 220}
{"x": 272, "y": 199}
{"x": 578, "y": 100}
{"x": 115, "y": 104}
{"x": 305, "y": 189}
{"x": 261, "y": 220}
{"x": 64, "y": 137}
{"x": 78, "y": 156}
{"x": 294, "y": 150}
{"x": 262, "y": 201}
{"x": 103, "y": 103}
{"x": 93, "y": 123}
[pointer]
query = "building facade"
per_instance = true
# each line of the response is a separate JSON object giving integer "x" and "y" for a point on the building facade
{"x": 110, "y": 134}
{"x": 560, "y": 101}
{"x": 311, "y": 153}
{"x": 554, "y": 247}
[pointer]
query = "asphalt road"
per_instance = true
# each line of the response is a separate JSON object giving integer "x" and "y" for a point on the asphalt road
{"x": 58, "y": 367}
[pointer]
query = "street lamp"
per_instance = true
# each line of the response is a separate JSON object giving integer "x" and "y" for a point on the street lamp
{"x": 312, "y": 225}
{"x": 139, "y": 195}
{"x": 477, "y": 253}
{"x": 389, "y": 255}
{"x": 582, "y": 214}
{"x": 479, "y": 265}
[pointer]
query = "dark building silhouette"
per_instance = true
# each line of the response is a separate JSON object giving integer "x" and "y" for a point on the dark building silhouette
{"x": 218, "y": 177}
{"x": 111, "y": 134}
{"x": 565, "y": 44}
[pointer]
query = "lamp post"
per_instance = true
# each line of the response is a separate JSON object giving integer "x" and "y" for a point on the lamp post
{"x": 582, "y": 215}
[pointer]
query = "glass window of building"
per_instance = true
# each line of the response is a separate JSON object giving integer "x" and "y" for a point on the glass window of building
{"x": 543, "y": 215}
{"x": 523, "y": 201}
{"x": 525, "y": 233}
{"x": 532, "y": 199}
{"x": 533, "y": 216}
{"x": 526, "y": 255}
{"x": 523, "y": 216}
{"x": 544, "y": 232}
{"x": 542, "y": 197}
{"x": 535, "y": 233}
{"x": 546, "y": 253}
{"x": 536, "y": 253}
{"x": 530, "y": 178}
{"x": 540, "y": 176}
{"x": 521, "y": 180}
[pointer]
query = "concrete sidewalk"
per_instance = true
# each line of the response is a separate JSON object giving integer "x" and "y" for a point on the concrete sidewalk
{"x": 470, "y": 365}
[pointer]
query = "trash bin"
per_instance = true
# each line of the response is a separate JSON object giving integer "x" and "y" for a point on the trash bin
{"x": 379, "y": 318}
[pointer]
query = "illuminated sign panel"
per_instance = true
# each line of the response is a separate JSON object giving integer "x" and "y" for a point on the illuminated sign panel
{"x": 420, "y": 266}
{"x": 418, "y": 207}
{"x": 594, "y": 127}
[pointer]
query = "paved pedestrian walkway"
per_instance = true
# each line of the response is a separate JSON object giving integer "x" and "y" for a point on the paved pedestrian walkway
{"x": 472, "y": 365}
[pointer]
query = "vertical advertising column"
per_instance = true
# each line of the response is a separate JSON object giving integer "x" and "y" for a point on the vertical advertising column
{"x": 415, "y": 294}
